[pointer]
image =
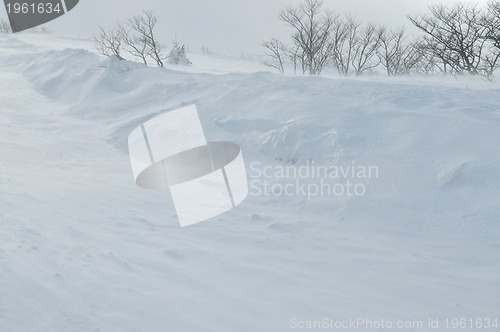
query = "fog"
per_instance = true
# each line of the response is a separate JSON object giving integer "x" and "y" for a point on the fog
{"x": 225, "y": 26}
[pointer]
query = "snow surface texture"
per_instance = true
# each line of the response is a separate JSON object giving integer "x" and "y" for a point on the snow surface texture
{"x": 84, "y": 249}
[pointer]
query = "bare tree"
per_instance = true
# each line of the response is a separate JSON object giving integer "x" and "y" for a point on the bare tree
{"x": 275, "y": 54}
{"x": 135, "y": 45}
{"x": 144, "y": 27}
{"x": 396, "y": 54}
{"x": 5, "y": 26}
{"x": 295, "y": 57}
{"x": 428, "y": 63}
{"x": 456, "y": 36}
{"x": 343, "y": 40}
{"x": 365, "y": 50}
{"x": 312, "y": 28}
{"x": 109, "y": 43}
{"x": 491, "y": 22}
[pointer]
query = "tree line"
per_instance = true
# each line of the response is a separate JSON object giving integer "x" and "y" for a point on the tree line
{"x": 137, "y": 37}
{"x": 458, "y": 39}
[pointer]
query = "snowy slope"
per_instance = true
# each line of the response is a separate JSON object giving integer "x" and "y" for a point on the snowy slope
{"x": 83, "y": 249}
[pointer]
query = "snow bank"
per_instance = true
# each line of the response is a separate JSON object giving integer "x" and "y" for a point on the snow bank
{"x": 83, "y": 249}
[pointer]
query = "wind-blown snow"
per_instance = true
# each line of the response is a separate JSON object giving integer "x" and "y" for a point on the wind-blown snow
{"x": 83, "y": 249}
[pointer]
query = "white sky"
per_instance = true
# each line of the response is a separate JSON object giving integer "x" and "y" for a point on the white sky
{"x": 231, "y": 27}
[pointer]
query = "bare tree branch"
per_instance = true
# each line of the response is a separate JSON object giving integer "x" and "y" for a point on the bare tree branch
{"x": 144, "y": 26}
{"x": 135, "y": 45}
{"x": 456, "y": 36}
{"x": 274, "y": 54}
{"x": 344, "y": 39}
{"x": 312, "y": 28}
{"x": 365, "y": 50}
{"x": 109, "y": 43}
{"x": 396, "y": 54}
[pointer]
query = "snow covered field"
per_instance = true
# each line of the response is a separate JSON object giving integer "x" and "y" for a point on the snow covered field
{"x": 84, "y": 249}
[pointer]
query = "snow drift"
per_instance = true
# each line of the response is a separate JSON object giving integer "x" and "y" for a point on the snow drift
{"x": 83, "y": 249}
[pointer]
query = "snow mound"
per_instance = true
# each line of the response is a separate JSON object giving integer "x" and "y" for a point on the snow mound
{"x": 178, "y": 56}
{"x": 83, "y": 249}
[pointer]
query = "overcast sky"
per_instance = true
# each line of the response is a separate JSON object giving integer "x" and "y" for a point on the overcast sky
{"x": 231, "y": 27}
